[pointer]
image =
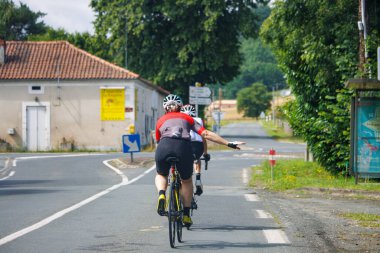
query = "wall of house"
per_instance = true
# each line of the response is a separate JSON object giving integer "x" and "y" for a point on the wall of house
{"x": 75, "y": 113}
{"x": 149, "y": 109}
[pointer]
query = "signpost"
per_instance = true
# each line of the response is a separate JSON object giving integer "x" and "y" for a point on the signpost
{"x": 199, "y": 96}
{"x": 131, "y": 144}
{"x": 199, "y": 91}
{"x": 272, "y": 161}
{"x": 200, "y": 101}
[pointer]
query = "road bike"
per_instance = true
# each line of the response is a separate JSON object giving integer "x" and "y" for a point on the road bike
{"x": 194, "y": 202}
{"x": 174, "y": 203}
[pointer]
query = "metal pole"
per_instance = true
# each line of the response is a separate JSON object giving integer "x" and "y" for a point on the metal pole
{"x": 355, "y": 166}
{"x": 273, "y": 105}
{"x": 220, "y": 108}
{"x": 126, "y": 44}
{"x": 196, "y": 104}
{"x": 271, "y": 173}
{"x": 364, "y": 27}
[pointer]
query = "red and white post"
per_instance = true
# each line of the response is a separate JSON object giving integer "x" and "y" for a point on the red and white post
{"x": 272, "y": 161}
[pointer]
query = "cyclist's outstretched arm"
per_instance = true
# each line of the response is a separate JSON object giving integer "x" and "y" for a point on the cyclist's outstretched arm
{"x": 204, "y": 145}
{"x": 211, "y": 136}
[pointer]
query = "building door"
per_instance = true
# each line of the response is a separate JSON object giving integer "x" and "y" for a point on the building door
{"x": 36, "y": 128}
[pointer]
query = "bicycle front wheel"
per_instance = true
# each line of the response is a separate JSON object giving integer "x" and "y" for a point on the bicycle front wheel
{"x": 172, "y": 217}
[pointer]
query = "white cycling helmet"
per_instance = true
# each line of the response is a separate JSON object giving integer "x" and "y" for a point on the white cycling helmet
{"x": 189, "y": 110}
{"x": 172, "y": 99}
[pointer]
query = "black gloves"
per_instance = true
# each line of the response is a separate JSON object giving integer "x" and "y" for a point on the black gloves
{"x": 232, "y": 145}
{"x": 207, "y": 157}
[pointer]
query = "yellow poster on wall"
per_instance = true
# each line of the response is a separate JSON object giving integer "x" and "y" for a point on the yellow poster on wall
{"x": 112, "y": 104}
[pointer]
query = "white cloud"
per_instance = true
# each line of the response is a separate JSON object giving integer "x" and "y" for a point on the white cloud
{"x": 72, "y": 15}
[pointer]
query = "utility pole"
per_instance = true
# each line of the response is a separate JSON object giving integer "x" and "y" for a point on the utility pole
{"x": 273, "y": 105}
{"x": 126, "y": 44}
{"x": 362, "y": 25}
{"x": 220, "y": 108}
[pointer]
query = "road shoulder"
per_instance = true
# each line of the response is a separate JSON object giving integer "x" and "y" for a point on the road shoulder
{"x": 316, "y": 220}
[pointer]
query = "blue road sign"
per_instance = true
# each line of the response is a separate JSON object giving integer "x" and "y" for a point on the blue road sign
{"x": 131, "y": 143}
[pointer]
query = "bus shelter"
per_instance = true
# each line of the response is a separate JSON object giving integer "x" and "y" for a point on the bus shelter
{"x": 365, "y": 128}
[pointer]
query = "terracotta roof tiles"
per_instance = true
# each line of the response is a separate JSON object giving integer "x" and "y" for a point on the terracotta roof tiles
{"x": 56, "y": 59}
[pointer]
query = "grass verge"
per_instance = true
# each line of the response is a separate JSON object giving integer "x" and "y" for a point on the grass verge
{"x": 364, "y": 219}
{"x": 279, "y": 133}
{"x": 298, "y": 174}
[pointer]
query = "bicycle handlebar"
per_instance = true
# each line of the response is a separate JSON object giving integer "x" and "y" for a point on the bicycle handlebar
{"x": 206, "y": 162}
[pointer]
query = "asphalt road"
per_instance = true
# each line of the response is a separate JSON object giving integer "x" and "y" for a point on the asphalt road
{"x": 66, "y": 203}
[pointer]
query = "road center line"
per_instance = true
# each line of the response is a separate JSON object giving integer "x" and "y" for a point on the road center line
{"x": 63, "y": 212}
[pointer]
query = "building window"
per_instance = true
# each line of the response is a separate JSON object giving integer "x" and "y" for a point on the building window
{"x": 36, "y": 89}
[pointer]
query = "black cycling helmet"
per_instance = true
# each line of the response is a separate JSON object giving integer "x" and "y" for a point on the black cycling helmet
{"x": 172, "y": 99}
{"x": 189, "y": 110}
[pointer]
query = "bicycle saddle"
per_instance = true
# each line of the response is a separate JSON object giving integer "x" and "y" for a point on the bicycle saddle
{"x": 172, "y": 159}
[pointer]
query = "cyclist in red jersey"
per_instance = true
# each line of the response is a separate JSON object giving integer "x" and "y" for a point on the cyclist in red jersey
{"x": 173, "y": 138}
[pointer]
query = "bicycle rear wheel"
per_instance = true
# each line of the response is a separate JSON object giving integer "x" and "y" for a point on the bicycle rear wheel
{"x": 172, "y": 217}
{"x": 179, "y": 219}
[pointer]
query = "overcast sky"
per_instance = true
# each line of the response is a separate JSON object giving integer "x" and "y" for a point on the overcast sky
{"x": 72, "y": 15}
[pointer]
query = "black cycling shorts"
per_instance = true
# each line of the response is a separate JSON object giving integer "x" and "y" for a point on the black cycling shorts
{"x": 179, "y": 148}
{"x": 198, "y": 149}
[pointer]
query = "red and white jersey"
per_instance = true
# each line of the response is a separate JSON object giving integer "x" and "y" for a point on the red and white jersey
{"x": 177, "y": 125}
{"x": 194, "y": 136}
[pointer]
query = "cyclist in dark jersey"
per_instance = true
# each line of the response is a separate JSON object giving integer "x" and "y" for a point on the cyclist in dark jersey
{"x": 173, "y": 138}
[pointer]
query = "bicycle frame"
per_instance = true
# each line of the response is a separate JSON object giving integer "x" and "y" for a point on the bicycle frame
{"x": 174, "y": 204}
{"x": 175, "y": 184}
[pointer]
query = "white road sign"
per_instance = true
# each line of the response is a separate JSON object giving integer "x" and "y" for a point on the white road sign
{"x": 200, "y": 101}
{"x": 199, "y": 91}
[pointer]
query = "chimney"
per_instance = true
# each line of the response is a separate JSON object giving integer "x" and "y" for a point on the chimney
{"x": 2, "y": 51}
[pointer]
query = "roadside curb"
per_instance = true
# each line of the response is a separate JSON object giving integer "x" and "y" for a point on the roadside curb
{"x": 123, "y": 163}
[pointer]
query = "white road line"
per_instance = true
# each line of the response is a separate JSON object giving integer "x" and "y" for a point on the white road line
{"x": 276, "y": 236}
{"x": 245, "y": 176}
{"x": 251, "y": 197}
{"x": 63, "y": 212}
{"x": 54, "y": 156}
{"x": 10, "y": 175}
{"x": 261, "y": 214}
{"x": 14, "y": 162}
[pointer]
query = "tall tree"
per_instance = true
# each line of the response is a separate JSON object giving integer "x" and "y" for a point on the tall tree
{"x": 253, "y": 100}
{"x": 316, "y": 44}
{"x": 90, "y": 43}
{"x": 176, "y": 43}
{"x": 18, "y": 22}
{"x": 259, "y": 65}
